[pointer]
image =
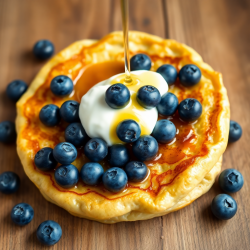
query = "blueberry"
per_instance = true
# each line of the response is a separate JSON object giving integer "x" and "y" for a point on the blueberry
{"x": 75, "y": 134}
{"x": 91, "y": 173}
{"x": 61, "y": 85}
{"x": 7, "y": 132}
{"x": 96, "y": 149}
{"x": 67, "y": 176}
{"x": 231, "y": 180}
{"x": 22, "y": 214}
{"x": 190, "y": 110}
{"x": 16, "y": 89}
{"x": 148, "y": 97}
{"x": 49, "y": 232}
{"x": 189, "y": 75}
{"x": 128, "y": 131}
{"x": 117, "y": 96}
{"x": 43, "y": 49}
{"x": 136, "y": 171}
{"x": 140, "y": 62}
{"x": 224, "y": 207}
{"x": 115, "y": 179}
{"x": 44, "y": 159}
{"x": 70, "y": 111}
{"x": 118, "y": 155}
{"x": 50, "y": 115}
{"x": 168, "y": 104}
{"x": 164, "y": 131}
{"x": 65, "y": 153}
{"x": 145, "y": 148}
{"x": 9, "y": 182}
{"x": 168, "y": 72}
{"x": 235, "y": 131}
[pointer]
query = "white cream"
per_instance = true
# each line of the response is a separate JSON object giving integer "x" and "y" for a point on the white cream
{"x": 98, "y": 119}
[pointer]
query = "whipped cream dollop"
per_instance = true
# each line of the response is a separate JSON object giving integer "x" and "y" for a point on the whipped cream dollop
{"x": 100, "y": 120}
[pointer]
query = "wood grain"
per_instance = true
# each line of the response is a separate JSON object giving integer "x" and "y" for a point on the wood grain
{"x": 217, "y": 29}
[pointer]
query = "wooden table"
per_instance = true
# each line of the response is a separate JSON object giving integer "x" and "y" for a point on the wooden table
{"x": 217, "y": 29}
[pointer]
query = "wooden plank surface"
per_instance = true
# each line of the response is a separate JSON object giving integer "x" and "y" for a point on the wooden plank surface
{"x": 217, "y": 29}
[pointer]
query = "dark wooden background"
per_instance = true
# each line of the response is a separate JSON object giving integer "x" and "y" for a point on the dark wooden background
{"x": 218, "y": 29}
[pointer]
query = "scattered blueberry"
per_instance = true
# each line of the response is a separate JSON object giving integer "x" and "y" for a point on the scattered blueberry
{"x": 168, "y": 104}
{"x": 164, "y": 131}
{"x": 61, "y": 85}
{"x": 43, "y": 49}
{"x": 91, "y": 173}
{"x": 67, "y": 176}
{"x": 117, "y": 96}
{"x": 189, "y": 75}
{"x": 128, "y": 131}
{"x": 235, "y": 131}
{"x": 50, "y": 115}
{"x": 22, "y": 214}
{"x": 148, "y": 97}
{"x": 118, "y": 155}
{"x": 49, "y": 232}
{"x": 44, "y": 159}
{"x": 7, "y": 132}
{"x": 115, "y": 179}
{"x": 190, "y": 110}
{"x": 75, "y": 134}
{"x": 231, "y": 180}
{"x": 136, "y": 171}
{"x": 224, "y": 207}
{"x": 145, "y": 148}
{"x": 168, "y": 72}
{"x": 16, "y": 89}
{"x": 96, "y": 149}
{"x": 65, "y": 153}
{"x": 140, "y": 62}
{"x": 70, "y": 111}
{"x": 9, "y": 182}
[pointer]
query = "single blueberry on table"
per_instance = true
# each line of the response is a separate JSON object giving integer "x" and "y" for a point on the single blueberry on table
{"x": 224, "y": 207}
{"x": 117, "y": 96}
{"x": 148, "y": 96}
{"x": 96, "y": 149}
{"x": 61, "y": 85}
{"x": 9, "y": 182}
{"x": 16, "y": 89}
{"x": 44, "y": 159}
{"x": 118, "y": 155}
{"x": 168, "y": 72}
{"x": 128, "y": 130}
{"x": 75, "y": 134}
{"x": 190, "y": 110}
{"x": 164, "y": 131}
{"x": 49, "y": 232}
{"x": 50, "y": 115}
{"x": 189, "y": 75}
{"x": 140, "y": 62}
{"x": 115, "y": 179}
{"x": 67, "y": 176}
{"x": 65, "y": 153}
{"x": 91, "y": 173}
{"x": 231, "y": 180}
{"x": 136, "y": 171}
{"x": 22, "y": 214}
{"x": 43, "y": 49}
{"x": 70, "y": 111}
{"x": 7, "y": 132}
{"x": 168, "y": 104}
{"x": 145, "y": 148}
{"x": 235, "y": 131}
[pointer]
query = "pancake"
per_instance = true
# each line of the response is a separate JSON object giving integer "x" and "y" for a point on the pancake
{"x": 181, "y": 171}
